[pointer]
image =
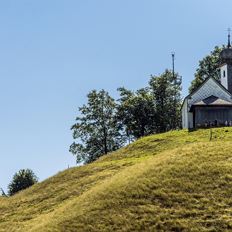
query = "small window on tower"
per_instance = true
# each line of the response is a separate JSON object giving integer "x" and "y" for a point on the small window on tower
{"x": 224, "y": 73}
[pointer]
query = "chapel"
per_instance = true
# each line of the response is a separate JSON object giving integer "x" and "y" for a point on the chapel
{"x": 211, "y": 103}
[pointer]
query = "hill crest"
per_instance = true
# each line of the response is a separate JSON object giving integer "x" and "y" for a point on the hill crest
{"x": 172, "y": 181}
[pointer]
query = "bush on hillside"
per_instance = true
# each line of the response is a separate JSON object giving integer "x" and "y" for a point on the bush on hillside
{"x": 22, "y": 179}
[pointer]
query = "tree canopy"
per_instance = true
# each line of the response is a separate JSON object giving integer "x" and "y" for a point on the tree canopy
{"x": 96, "y": 131}
{"x": 136, "y": 112}
{"x": 208, "y": 67}
{"x": 104, "y": 125}
{"x": 166, "y": 96}
{"x": 22, "y": 179}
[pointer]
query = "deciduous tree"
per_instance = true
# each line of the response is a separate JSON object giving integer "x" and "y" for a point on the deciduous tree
{"x": 136, "y": 112}
{"x": 96, "y": 131}
{"x": 208, "y": 67}
{"x": 166, "y": 96}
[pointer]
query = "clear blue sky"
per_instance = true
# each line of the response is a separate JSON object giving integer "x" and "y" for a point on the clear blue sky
{"x": 52, "y": 53}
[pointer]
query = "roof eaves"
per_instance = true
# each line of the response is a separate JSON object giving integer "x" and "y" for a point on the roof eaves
{"x": 217, "y": 82}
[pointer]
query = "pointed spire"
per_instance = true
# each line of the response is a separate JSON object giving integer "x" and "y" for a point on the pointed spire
{"x": 229, "y": 45}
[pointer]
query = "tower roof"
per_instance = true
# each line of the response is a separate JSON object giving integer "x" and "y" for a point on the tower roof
{"x": 226, "y": 56}
{"x": 226, "y": 53}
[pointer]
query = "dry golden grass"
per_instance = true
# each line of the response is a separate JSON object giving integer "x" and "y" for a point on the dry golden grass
{"x": 176, "y": 181}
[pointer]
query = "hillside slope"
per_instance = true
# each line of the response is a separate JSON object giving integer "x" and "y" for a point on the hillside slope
{"x": 176, "y": 181}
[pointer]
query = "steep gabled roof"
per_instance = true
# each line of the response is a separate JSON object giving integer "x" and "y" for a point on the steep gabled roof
{"x": 203, "y": 83}
{"x": 213, "y": 101}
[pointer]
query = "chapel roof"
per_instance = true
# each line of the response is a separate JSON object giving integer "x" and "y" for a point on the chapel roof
{"x": 226, "y": 56}
{"x": 213, "y": 101}
{"x": 226, "y": 53}
{"x": 203, "y": 83}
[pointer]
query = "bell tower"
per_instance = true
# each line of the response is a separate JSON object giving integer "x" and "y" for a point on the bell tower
{"x": 226, "y": 65}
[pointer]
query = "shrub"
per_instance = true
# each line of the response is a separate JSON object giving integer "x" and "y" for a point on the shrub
{"x": 22, "y": 179}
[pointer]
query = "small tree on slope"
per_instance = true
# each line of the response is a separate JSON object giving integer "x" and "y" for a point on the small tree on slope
{"x": 23, "y": 179}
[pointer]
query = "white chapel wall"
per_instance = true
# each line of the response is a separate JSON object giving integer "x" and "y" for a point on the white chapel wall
{"x": 224, "y": 76}
{"x": 187, "y": 117}
{"x": 184, "y": 112}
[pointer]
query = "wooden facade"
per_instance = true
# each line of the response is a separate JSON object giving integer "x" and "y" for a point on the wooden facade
{"x": 204, "y": 116}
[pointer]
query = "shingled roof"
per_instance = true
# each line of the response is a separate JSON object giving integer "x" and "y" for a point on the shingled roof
{"x": 213, "y": 101}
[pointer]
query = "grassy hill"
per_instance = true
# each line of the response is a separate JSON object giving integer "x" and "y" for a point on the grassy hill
{"x": 176, "y": 181}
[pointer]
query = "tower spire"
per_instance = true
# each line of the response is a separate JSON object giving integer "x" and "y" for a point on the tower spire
{"x": 229, "y": 45}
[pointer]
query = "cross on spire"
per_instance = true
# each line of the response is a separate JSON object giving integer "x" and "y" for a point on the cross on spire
{"x": 229, "y": 30}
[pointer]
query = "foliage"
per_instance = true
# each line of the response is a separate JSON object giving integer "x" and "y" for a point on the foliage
{"x": 165, "y": 182}
{"x": 136, "y": 112}
{"x": 208, "y": 67}
{"x": 96, "y": 130}
{"x": 103, "y": 125}
{"x": 23, "y": 179}
{"x": 166, "y": 94}
{"x": 153, "y": 109}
